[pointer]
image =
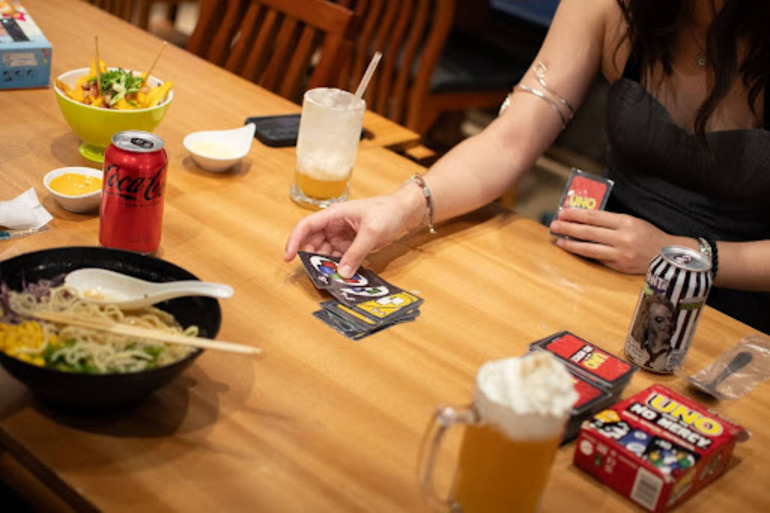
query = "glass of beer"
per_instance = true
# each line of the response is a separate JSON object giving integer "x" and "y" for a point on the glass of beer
{"x": 327, "y": 143}
{"x": 512, "y": 431}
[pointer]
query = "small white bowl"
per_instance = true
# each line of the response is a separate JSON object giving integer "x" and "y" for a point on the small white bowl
{"x": 80, "y": 203}
{"x": 219, "y": 150}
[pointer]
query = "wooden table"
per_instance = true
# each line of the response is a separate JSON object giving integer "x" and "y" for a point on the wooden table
{"x": 321, "y": 423}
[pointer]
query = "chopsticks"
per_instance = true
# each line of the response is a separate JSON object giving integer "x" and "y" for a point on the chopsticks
{"x": 134, "y": 331}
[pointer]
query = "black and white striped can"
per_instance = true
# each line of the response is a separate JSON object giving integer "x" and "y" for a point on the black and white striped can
{"x": 669, "y": 308}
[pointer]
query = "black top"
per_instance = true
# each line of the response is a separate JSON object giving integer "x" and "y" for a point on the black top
{"x": 666, "y": 175}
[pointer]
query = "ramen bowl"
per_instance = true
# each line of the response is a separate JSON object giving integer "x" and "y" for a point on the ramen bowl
{"x": 103, "y": 393}
{"x": 96, "y": 125}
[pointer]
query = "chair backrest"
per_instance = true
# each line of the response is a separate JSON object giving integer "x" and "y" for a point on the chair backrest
{"x": 410, "y": 34}
{"x": 121, "y": 8}
{"x": 275, "y": 43}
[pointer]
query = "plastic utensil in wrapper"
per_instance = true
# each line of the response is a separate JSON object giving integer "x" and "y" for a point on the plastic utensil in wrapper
{"x": 737, "y": 370}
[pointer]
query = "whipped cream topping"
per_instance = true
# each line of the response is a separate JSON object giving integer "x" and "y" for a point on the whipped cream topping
{"x": 528, "y": 397}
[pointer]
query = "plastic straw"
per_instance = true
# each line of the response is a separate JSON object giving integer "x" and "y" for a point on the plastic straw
{"x": 367, "y": 77}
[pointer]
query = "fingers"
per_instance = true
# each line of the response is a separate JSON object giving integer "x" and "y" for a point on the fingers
{"x": 584, "y": 232}
{"x": 600, "y": 252}
{"x": 354, "y": 256}
{"x": 306, "y": 235}
{"x": 592, "y": 217}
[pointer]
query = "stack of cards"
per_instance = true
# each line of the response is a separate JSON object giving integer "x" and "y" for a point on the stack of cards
{"x": 599, "y": 377}
{"x": 363, "y": 304}
{"x": 584, "y": 190}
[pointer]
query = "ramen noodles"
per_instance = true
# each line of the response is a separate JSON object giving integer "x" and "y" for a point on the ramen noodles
{"x": 75, "y": 349}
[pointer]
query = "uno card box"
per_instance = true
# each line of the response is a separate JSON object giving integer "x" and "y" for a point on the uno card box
{"x": 657, "y": 447}
{"x": 584, "y": 190}
{"x": 590, "y": 361}
{"x": 25, "y": 53}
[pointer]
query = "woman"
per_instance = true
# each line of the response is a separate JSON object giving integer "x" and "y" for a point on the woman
{"x": 689, "y": 146}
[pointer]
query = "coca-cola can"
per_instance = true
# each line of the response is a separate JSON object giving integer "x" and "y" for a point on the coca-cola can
{"x": 131, "y": 212}
{"x": 669, "y": 308}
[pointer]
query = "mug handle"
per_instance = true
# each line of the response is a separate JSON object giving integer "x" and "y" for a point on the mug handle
{"x": 444, "y": 418}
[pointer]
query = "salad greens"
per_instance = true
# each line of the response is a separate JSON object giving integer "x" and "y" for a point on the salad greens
{"x": 118, "y": 83}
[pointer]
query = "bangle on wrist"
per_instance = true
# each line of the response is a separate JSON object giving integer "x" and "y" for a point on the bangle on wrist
{"x": 420, "y": 182}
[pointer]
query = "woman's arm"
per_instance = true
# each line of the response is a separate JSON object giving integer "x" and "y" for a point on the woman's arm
{"x": 744, "y": 265}
{"x": 483, "y": 167}
{"x": 628, "y": 244}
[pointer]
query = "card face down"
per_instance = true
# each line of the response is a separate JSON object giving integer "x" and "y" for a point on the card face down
{"x": 589, "y": 360}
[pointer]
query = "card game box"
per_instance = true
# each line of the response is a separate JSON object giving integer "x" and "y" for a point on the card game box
{"x": 599, "y": 377}
{"x": 584, "y": 190}
{"x": 657, "y": 447}
{"x": 25, "y": 53}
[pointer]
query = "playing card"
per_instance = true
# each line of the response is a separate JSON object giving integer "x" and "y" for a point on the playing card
{"x": 352, "y": 330}
{"x": 589, "y": 360}
{"x": 364, "y": 304}
{"x": 320, "y": 268}
{"x": 359, "y": 288}
{"x": 585, "y": 190}
{"x": 378, "y": 311}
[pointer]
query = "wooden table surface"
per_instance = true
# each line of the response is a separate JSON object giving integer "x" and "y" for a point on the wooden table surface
{"x": 321, "y": 423}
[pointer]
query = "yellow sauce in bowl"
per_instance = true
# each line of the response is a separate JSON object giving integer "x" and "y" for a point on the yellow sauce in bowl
{"x": 75, "y": 184}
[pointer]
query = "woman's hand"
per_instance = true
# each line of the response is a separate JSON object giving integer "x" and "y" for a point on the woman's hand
{"x": 621, "y": 242}
{"x": 354, "y": 229}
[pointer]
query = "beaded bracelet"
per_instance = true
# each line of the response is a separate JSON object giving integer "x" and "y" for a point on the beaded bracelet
{"x": 420, "y": 181}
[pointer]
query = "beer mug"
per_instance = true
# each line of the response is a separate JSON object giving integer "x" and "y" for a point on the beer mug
{"x": 512, "y": 431}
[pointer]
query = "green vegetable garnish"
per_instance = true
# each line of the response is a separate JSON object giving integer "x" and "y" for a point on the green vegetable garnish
{"x": 119, "y": 83}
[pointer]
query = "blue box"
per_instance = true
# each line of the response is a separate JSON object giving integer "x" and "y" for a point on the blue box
{"x": 25, "y": 53}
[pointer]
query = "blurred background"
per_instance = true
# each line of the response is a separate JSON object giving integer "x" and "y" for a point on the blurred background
{"x": 488, "y": 45}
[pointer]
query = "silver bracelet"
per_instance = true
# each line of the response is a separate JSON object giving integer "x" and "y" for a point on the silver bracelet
{"x": 539, "y": 70}
{"x": 420, "y": 181}
{"x": 540, "y": 94}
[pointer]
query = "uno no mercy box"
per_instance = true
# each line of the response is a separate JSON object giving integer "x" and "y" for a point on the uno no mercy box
{"x": 25, "y": 53}
{"x": 657, "y": 447}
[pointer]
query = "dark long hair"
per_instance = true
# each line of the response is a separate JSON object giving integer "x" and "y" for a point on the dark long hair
{"x": 653, "y": 26}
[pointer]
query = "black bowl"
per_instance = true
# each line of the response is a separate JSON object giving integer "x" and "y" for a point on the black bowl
{"x": 99, "y": 393}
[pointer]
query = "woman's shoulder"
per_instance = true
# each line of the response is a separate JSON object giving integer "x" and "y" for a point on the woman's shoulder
{"x": 616, "y": 47}
{"x": 608, "y": 26}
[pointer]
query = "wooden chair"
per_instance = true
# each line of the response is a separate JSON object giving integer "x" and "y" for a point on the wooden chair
{"x": 411, "y": 36}
{"x": 124, "y": 9}
{"x": 138, "y": 12}
{"x": 275, "y": 43}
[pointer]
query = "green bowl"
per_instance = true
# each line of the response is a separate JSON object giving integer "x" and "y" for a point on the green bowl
{"x": 96, "y": 125}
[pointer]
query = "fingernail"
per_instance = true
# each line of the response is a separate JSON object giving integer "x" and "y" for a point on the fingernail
{"x": 345, "y": 271}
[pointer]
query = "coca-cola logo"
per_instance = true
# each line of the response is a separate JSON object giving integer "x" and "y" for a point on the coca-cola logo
{"x": 133, "y": 188}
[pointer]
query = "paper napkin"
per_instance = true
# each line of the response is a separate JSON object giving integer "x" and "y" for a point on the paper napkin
{"x": 23, "y": 212}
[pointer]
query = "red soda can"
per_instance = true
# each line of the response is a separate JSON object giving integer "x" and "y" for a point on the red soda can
{"x": 133, "y": 187}
{"x": 669, "y": 307}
